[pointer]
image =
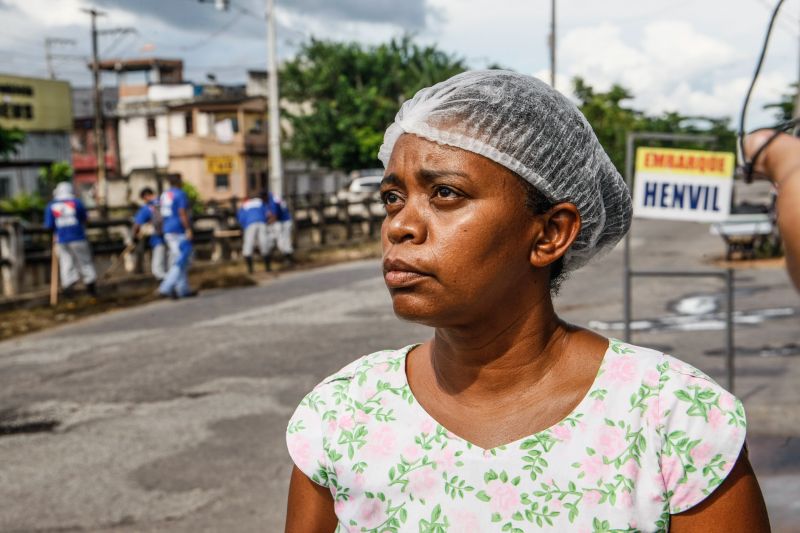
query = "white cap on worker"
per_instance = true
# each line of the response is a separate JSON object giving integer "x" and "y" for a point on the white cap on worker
{"x": 63, "y": 191}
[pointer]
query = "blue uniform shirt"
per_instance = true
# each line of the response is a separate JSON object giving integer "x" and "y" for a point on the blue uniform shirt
{"x": 66, "y": 218}
{"x": 145, "y": 215}
{"x": 171, "y": 201}
{"x": 252, "y": 212}
{"x": 279, "y": 207}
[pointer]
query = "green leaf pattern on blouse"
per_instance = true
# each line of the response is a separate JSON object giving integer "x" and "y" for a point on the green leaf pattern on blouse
{"x": 652, "y": 437}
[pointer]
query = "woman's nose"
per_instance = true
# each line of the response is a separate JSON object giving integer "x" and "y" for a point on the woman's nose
{"x": 408, "y": 224}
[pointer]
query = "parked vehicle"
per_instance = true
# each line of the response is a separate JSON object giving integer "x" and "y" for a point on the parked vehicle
{"x": 359, "y": 191}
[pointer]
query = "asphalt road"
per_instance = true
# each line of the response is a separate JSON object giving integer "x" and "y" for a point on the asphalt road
{"x": 171, "y": 416}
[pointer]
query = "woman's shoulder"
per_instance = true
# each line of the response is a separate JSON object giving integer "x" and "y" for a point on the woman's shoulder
{"x": 334, "y": 403}
{"x": 357, "y": 374}
{"x": 699, "y": 427}
{"x": 629, "y": 362}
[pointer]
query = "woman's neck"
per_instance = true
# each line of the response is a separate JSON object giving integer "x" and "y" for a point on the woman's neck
{"x": 507, "y": 352}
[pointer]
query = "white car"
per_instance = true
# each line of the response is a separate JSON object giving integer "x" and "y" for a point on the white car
{"x": 360, "y": 190}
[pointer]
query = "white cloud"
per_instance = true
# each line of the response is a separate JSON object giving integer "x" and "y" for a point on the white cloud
{"x": 61, "y": 13}
{"x": 693, "y": 57}
{"x": 672, "y": 67}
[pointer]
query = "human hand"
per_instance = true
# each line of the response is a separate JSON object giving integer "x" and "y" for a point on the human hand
{"x": 189, "y": 234}
{"x": 779, "y": 160}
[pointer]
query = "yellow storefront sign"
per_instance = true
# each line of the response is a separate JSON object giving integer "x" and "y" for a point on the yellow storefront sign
{"x": 687, "y": 162}
{"x": 220, "y": 164}
{"x": 34, "y": 104}
{"x": 674, "y": 184}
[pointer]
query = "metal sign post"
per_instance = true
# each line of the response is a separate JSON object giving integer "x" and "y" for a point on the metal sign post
{"x": 629, "y": 273}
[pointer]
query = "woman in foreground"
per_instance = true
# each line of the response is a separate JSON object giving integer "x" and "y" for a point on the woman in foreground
{"x": 510, "y": 419}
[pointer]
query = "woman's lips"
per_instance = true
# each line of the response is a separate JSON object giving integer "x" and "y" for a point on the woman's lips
{"x": 397, "y": 279}
{"x": 399, "y": 274}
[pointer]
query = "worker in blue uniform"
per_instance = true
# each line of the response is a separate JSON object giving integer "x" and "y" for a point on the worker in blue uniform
{"x": 150, "y": 213}
{"x": 65, "y": 215}
{"x": 253, "y": 216}
{"x": 175, "y": 211}
{"x": 282, "y": 227}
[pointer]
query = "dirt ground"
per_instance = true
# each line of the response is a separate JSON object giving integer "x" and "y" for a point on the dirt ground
{"x": 203, "y": 277}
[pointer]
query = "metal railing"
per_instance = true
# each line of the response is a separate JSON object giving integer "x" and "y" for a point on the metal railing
{"x": 319, "y": 221}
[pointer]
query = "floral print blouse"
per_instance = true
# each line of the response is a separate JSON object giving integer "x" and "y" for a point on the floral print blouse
{"x": 652, "y": 437}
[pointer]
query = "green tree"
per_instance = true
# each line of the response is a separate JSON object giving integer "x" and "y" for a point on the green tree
{"x": 10, "y": 140}
{"x": 345, "y": 94}
{"x": 54, "y": 174}
{"x": 194, "y": 197}
{"x": 784, "y": 108}
{"x": 611, "y": 119}
{"x": 22, "y": 204}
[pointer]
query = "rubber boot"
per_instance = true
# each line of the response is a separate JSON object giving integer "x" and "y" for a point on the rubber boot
{"x": 69, "y": 292}
{"x": 91, "y": 288}
{"x": 267, "y": 263}
{"x": 249, "y": 261}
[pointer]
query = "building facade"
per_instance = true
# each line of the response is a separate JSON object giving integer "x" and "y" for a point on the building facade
{"x": 42, "y": 109}
{"x": 219, "y": 145}
{"x": 84, "y": 147}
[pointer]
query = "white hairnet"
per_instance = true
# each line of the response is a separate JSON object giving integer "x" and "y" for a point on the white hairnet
{"x": 523, "y": 124}
{"x": 63, "y": 191}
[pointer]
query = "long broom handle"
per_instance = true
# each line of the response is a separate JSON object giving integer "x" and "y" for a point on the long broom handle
{"x": 53, "y": 275}
{"x": 118, "y": 260}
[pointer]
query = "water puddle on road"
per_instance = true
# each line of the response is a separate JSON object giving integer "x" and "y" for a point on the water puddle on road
{"x": 18, "y": 423}
{"x": 699, "y": 312}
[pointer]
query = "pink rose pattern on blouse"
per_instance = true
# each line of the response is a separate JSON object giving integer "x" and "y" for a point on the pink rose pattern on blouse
{"x": 643, "y": 444}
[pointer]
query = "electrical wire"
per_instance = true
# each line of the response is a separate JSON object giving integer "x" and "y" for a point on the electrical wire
{"x": 116, "y": 42}
{"x": 783, "y": 24}
{"x": 213, "y": 35}
{"x": 748, "y": 165}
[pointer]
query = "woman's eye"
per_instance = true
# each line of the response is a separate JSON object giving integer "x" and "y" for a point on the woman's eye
{"x": 389, "y": 198}
{"x": 445, "y": 192}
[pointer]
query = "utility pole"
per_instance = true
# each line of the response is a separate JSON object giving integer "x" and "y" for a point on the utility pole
{"x": 99, "y": 123}
{"x": 552, "y": 42}
{"x": 274, "y": 118}
{"x": 99, "y": 119}
{"x": 49, "y": 56}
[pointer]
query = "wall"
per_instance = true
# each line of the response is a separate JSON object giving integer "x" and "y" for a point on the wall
{"x": 47, "y": 104}
{"x": 136, "y": 149}
{"x": 162, "y": 93}
{"x": 16, "y": 180}
{"x": 195, "y": 170}
{"x": 39, "y": 149}
{"x": 84, "y": 150}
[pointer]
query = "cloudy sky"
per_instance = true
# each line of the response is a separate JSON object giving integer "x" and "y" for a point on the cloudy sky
{"x": 692, "y": 56}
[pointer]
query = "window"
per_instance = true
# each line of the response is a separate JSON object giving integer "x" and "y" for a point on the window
{"x": 5, "y": 186}
{"x": 188, "y": 121}
{"x": 16, "y": 111}
{"x": 151, "y": 127}
{"x": 221, "y": 182}
{"x": 78, "y": 141}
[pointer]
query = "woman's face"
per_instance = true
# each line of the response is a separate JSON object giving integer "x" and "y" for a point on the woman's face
{"x": 457, "y": 238}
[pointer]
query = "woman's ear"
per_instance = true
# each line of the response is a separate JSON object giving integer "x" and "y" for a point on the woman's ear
{"x": 557, "y": 230}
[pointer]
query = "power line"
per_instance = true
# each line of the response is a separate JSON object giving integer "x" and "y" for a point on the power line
{"x": 49, "y": 56}
{"x": 216, "y": 33}
{"x": 120, "y": 37}
{"x": 782, "y": 24}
